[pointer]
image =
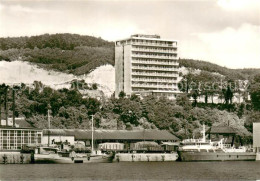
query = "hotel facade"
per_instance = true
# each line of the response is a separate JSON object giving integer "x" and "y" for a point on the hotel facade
{"x": 145, "y": 65}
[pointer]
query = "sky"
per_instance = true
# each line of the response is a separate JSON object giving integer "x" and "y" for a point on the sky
{"x": 225, "y": 32}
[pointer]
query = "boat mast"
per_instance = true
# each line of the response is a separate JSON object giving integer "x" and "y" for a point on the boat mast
{"x": 49, "y": 125}
{"x": 92, "y": 135}
{"x": 204, "y": 133}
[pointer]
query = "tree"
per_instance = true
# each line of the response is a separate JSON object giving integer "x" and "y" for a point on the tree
{"x": 184, "y": 101}
{"x": 122, "y": 94}
{"x": 255, "y": 92}
{"x": 184, "y": 84}
{"x": 251, "y": 118}
{"x": 94, "y": 86}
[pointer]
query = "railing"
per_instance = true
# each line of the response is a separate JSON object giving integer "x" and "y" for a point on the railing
{"x": 154, "y": 56}
{"x": 154, "y": 74}
{"x": 154, "y": 86}
{"x": 154, "y": 50}
{"x": 154, "y": 80}
{"x": 154, "y": 68}
{"x": 154, "y": 62}
{"x": 154, "y": 44}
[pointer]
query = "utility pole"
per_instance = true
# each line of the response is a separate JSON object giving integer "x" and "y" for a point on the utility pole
{"x": 6, "y": 106}
{"x": 49, "y": 124}
{"x": 92, "y": 134}
{"x": 13, "y": 107}
{"x": 0, "y": 107}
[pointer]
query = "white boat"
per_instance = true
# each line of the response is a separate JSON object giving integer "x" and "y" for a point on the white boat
{"x": 205, "y": 150}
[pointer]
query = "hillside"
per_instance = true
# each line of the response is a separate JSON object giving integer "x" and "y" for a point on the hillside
{"x": 69, "y": 53}
{"x": 79, "y": 55}
{"x": 233, "y": 74}
{"x": 27, "y": 73}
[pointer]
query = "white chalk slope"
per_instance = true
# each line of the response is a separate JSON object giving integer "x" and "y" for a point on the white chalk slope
{"x": 24, "y": 72}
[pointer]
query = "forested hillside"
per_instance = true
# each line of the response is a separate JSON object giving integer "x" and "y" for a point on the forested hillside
{"x": 69, "y": 53}
{"x": 233, "y": 74}
{"x": 78, "y": 54}
{"x": 63, "y": 41}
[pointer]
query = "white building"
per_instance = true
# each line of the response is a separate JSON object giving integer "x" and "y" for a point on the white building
{"x": 256, "y": 139}
{"x": 53, "y": 136}
{"x": 146, "y": 64}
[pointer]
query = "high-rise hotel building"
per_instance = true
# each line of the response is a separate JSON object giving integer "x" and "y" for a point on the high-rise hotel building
{"x": 146, "y": 64}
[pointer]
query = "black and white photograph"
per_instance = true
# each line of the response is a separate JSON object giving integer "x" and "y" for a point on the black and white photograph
{"x": 129, "y": 90}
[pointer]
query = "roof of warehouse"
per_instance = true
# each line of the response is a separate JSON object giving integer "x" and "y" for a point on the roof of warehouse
{"x": 221, "y": 129}
{"x": 114, "y": 134}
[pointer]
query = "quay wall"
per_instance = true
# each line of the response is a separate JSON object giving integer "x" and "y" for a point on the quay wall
{"x": 145, "y": 157}
{"x": 15, "y": 158}
{"x": 257, "y": 156}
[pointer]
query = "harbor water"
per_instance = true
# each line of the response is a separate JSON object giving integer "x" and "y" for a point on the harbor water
{"x": 238, "y": 170}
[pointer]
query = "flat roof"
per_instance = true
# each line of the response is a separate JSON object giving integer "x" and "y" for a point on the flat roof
{"x": 144, "y": 38}
{"x": 19, "y": 128}
{"x": 81, "y": 134}
{"x": 221, "y": 129}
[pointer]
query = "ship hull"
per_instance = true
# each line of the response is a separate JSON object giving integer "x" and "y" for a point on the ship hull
{"x": 146, "y": 157}
{"x": 53, "y": 158}
{"x": 216, "y": 156}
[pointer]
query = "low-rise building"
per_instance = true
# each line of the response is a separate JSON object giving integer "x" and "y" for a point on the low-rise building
{"x": 107, "y": 136}
{"x": 14, "y": 138}
{"x": 217, "y": 133}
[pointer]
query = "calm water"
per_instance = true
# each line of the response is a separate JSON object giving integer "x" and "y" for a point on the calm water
{"x": 134, "y": 171}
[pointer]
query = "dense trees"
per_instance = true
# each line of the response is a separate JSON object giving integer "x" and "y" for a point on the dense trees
{"x": 255, "y": 92}
{"x": 70, "y": 110}
{"x": 241, "y": 74}
{"x": 62, "y": 41}
{"x": 63, "y": 52}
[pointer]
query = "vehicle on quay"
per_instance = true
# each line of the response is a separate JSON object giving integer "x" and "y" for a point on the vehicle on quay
{"x": 206, "y": 150}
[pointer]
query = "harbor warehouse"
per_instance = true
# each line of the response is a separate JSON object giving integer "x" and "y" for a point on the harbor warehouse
{"x": 102, "y": 136}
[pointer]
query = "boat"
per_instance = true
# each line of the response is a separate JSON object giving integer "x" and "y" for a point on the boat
{"x": 53, "y": 155}
{"x": 206, "y": 150}
{"x": 50, "y": 154}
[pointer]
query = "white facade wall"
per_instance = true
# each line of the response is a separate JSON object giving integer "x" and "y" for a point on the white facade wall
{"x": 256, "y": 139}
{"x": 149, "y": 66}
{"x": 119, "y": 69}
{"x": 70, "y": 139}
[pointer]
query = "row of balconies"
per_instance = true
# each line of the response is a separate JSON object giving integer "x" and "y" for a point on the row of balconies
{"x": 155, "y": 50}
{"x": 154, "y": 56}
{"x": 154, "y": 44}
{"x": 154, "y": 80}
{"x": 161, "y": 74}
{"x": 154, "y": 68}
{"x": 154, "y": 86}
{"x": 155, "y": 62}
